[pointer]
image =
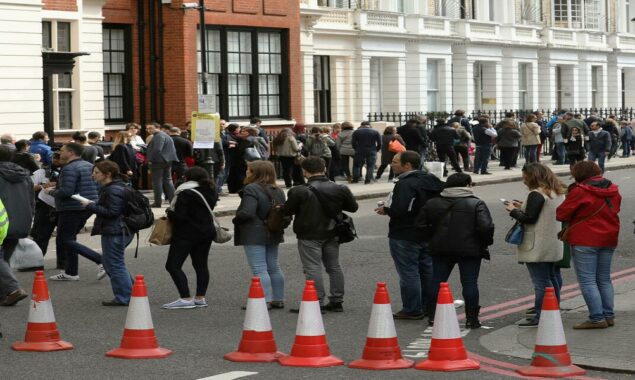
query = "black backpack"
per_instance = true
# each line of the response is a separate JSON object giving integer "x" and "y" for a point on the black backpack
{"x": 138, "y": 214}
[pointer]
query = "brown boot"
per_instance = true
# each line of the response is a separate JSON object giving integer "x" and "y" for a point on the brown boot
{"x": 586, "y": 325}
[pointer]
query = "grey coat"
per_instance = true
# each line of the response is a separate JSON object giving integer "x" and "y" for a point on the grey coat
{"x": 16, "y": 192}
{"x": 345, "y": 142}
{"x": 161, "y": 149}
{"x": 249, "y": 223}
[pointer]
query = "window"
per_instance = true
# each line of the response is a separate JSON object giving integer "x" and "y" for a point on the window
{"x": 595, "y": 78}
{"x": 523, "y": 88}
{"x": 530, "y": 11}
{"x": 246, "y": 72}
{"x": 592, "y": 14}
{"x": 453, "y": 8}
{"x": 578, "y": 14}
{"x": 117, "y": 81}
{"x": 433, "y": 85}
{"x": 629, "y": 16}
{"x": 56, "y": 36}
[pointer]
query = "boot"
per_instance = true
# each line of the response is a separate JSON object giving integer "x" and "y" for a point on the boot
{"x": 430, "y": 310}
{"x": 471, "y": 318}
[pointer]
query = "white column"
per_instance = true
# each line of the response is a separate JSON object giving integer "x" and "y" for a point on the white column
{"x": 394, "y": 84}
{"x": 533, "y": 85}
{"x": 308, "y": 111}
{"x": 603, "y": 87}
{"x": 463, "y": 83}
{"x": 614, "y": 76}
{"x": 547, "y": 89}
{"x": 351, "y": 84}
{"x": 585, "y": 83}
{"x": 416, "y": 69}
{"x": 511, "y": 80}
{"x": 570, "y": 87}
{"x": 629, "y": 91}
{"x": 445, "y": 85}
{"x": 339, "y": 93}
{"x": 89, "y": 71}
{"x": 363, "y": 88}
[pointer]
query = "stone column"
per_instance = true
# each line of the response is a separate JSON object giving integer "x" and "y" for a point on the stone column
{"x": 308, "y": 110}
{"x": 463, "y": 82}
{"x": 363, "y": 87}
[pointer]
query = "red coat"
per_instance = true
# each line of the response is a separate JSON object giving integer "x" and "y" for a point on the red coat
{"x": 583, "y": 200}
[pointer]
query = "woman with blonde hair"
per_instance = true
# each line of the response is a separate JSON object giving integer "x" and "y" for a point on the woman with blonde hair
{"x": 123, "y": 153}
{"x": 540, "y": 248}
{"x": 251, "y": 231}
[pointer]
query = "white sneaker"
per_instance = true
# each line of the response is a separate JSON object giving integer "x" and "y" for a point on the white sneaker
{"x": 101, "y": 272}
{"x": 179, "y": 304}
{"x": 200, "y": 303}
{"x": 62, "y": 276}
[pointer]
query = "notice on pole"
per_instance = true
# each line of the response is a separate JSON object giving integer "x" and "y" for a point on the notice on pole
{"x": 205, "y": 130}
{"x": 207, "y": 104}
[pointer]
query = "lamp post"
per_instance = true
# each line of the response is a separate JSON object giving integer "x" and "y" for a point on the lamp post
{"x": 207, "y": 162}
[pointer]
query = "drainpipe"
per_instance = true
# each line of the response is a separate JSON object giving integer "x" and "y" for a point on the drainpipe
{"x": 153, "y": 74}
{"x": 161, "y": 72}
{"x": 142, "y": 71}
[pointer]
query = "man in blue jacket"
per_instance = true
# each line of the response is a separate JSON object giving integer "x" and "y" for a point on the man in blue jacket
{"x": 409, "y": 252}
{"x": 39, "y": 145}
{"x": 366, "y": 142}
{"x": 75, "y": 178}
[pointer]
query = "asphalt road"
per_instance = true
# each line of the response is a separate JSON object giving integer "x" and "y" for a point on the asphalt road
{"x": 200, "y": 337}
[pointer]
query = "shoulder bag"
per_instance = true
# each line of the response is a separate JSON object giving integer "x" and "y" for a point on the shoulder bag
{"x": 344, "y": 226}
{"x": 162, "y": 232}
{"x": 395, "y": 146}
{"x": 563, "y": 234}
{"x": 515, "y": 234}
{"x": 223, "y": 235}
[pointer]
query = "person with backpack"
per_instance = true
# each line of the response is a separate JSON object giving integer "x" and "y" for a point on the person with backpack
{"x": 192, "y": 235}
{"x": 110, "y": 209}
{"x": 317, "y": 145}
{"x": 626, "y": 135}
{"x": 259, "y": 228}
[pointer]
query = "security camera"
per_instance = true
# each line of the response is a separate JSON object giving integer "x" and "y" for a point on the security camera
{"x": 189, "y": 6}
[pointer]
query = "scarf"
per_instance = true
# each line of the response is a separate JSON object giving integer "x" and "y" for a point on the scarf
{"x": 184, "y": 186}
{"x": 457, "y": 192}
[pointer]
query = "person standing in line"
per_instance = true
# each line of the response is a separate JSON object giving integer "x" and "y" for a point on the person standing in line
{"x": 318, "y": 145}
{"x": 45, "y": 218}
{"x": 192, "y": 235}
{"x": 483, "y": 135}
{"x": 93, "y": 138}
{"x": 463, "y": 229}
{"x": 540, "y": 248}
{"x": 8, "y": 141}
{"x": 599, "y": 144}
{"x": 558, "y": 139}
{"x": 160, "y": 155}
{"x": 300, "y": 137}
{"x": 347, "y": 153}
{"x": 507, "y": 141}
{"x": 315, "y": 229}
{"x": 574, "y": 145}
{"x": 227, "y": 141}
{"x": 115, "y": 236}
{"x": 444, "y": 137}
{"x": 366, "y": 142}
{"x": 123, "y": 154}
{"x": 75, "y": 178}
{"x": 462, "y": 145}
{"x": 408, "y": 249}
{"x": 39, "y": 145}
{"x": 530, "y": 132}
{"x": 626, "y": 135}
{"x": 22, "y": 157}
{"x": 183, "y": 148}
{"x": 89, "y": 152}
{"x": 335, "y": 165}
{"x": 386, "y": 155}
{"x": 591, "y": 211}
{"x": 260, "y": 243}
{"x": 135, "y": 140}
{"x": 416, "y": 138}
{"x": 287, "y": 149}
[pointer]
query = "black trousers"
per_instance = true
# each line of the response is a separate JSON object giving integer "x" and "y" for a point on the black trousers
{"x": 462, "y": 151}
{"x": 447, "y": 151}
{"x": 345, "y": 165}
{"x": 507, "y": 156}
{"x": 198, "y": 250}
{"x": 44, "y": 223}
{"x": 287, "y": 169}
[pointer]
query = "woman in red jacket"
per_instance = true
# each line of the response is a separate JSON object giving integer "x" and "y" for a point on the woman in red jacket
{"x": 591, "y": 211}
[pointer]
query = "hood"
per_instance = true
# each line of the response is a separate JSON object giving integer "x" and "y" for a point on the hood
{"x": 600, "y": 187}
{"x": 457, "y": 192}
{"x": 12, "y": 172}
{"x": 428, "y": 182}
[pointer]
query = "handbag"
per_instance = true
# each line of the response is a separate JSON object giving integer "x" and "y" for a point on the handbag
{"x": 515, "y": 234}
{"x": 162, "y": 232}
{"x": 252, "y": 154}
{"x": 563, "y": 234}
{"x": 395, "y": 146}
{"x": 344, "y": 226}
{"x": 27, "y": 254}
{"x": 222, "y": 235}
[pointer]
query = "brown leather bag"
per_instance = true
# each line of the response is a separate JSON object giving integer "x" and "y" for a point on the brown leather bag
{"x": 162, "y": 232}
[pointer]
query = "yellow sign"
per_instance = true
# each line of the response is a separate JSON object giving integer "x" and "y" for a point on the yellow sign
{"x": 205, "y": 130}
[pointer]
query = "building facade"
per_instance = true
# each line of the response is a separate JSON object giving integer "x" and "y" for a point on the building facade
{"x": 366, "y": 56}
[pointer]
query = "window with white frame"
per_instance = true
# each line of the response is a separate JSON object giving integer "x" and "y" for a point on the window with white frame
{"x": 593, "y": 15}
{"x": 56, "y": 36}
{"x": 433, "y": 85}
{"x": 523, "y": 86}
{"x": 595, "y": 85}
{"x": 578, "y": 14}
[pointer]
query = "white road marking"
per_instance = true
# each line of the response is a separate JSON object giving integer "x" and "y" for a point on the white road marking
{"x": 420, "y": 346}
{"x": 230, "y": 375}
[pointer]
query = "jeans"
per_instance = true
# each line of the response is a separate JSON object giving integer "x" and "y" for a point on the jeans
{"x": 180, "y": 249}
{"x": 369, "y": 158}
{"x": 114, "y": 247}
{"x": 593, "y": 270}
{"x": 162, "y": 181}
{"x": 469, "y": 268}
{"x": 530, "y": 153}
{"x": 69, "y": 223}
{"x": 599, "y": 156}
{"x": 263, "y": 260}
{"x": 543, "y": 275}
{"x": 8, "y": 282}
{"x": 314, "y": 253}
{"x": 626, "y": 147}
{"x": 222, "y": 176}
{"x": 178, "y": 170}
{"x": 562, "y": 153}
{"x": 414, "y": 266}
{"x": 481, "y": 158}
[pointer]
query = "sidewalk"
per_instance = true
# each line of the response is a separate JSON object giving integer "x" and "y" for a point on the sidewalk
{"x": 608, "y": 349}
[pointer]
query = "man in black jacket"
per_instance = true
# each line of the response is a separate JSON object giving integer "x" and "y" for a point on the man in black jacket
{"x": 415, "y": 139}
{"x": 444, "y": 137}
{"x": 409, "y": 252}
{"x": 314, "y": 228}
{"x": 367, "y": 142}
{"x": 183, "y": 149}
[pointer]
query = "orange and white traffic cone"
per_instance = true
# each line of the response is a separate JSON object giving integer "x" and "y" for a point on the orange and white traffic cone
{"x": 310, "y": 348}
{"x": 382, "y": 347}
{"x": 257, "y": 343}
{"x": 41, "y": 330}
{"x": 447, "y": 352}
{"x": 139, "y": 340}
{"x": 551, "y": 356}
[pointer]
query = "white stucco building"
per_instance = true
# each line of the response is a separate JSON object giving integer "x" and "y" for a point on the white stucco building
{"x": 365, "y": 56}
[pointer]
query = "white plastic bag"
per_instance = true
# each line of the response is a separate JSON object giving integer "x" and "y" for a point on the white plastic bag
{"x": 435, "y": 168}
{"x": 27, "y": 254}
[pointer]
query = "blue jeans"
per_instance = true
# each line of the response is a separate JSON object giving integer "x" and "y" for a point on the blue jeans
{"x": 543, "y": 275}
{"x": 69, "y": 223}
{"x": 114, "y": 247}
{"x": 469, "y": 268}
{"x": 626, "y": 147}
{"x": 481, "y": 158}
{"x": 414, "y": 266}
{"x": 222, "y": 176}
{"x": 263, "y": 260}
{"x": 593, "y": 269}
{"x": 364, "y": 157}
{"x": 599, "y": 156}
{"x": 562, "y": 153}
{"x": 530, "y": 153}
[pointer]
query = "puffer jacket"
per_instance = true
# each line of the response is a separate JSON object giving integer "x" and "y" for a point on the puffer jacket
{"x": 75, "y": 178}
{"x": 311, "y": 221}
{"x": 530, "y": 133}
{"x": 255, "y": 204}
{"x": 465, "y": 230}
{"x": 345, "y": 142}
{"x": 583, "y": 200}
{"x": 16, "y": 192}
{"x": 444, "y": 135}
{"x": 109, "y": 209}
{"x": 191, "y": 220}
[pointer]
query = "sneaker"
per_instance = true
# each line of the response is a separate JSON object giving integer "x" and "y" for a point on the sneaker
{"x": 587, "y": 325}
{"x": 113, "y": 302}
{"x": 277, "y": 304}
{"x": 200, "y": 303}
{"x": 101, "y": 272}
{"x": 179, "y": 304}
{"x": 13, "y": 297}
{"x": 529, "y": 323}
{"x": 62, "y": 276}
{"x": 403, "y": 315}
{"x": 334, "y": 307}
{"x": 530, "y": 312}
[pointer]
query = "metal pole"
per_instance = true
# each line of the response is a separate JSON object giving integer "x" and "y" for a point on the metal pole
{"x": 207, "y": 163}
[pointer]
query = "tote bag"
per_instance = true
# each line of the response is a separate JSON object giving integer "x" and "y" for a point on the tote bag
{"x": 162, "y": 232}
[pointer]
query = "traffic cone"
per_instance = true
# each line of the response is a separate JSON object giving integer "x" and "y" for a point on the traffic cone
{"x": 257, "y": 343}
{"x": 139, "y": 340}
{"x": 551, "y": 356}
{"x": 447, "y": 352}
{"x": 41, "y": 329}
{"x": 382, "y": 348}
{"x": 310, "y": 348}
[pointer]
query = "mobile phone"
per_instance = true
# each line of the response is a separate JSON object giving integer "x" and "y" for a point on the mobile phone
{"x": 504, "y": 201}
